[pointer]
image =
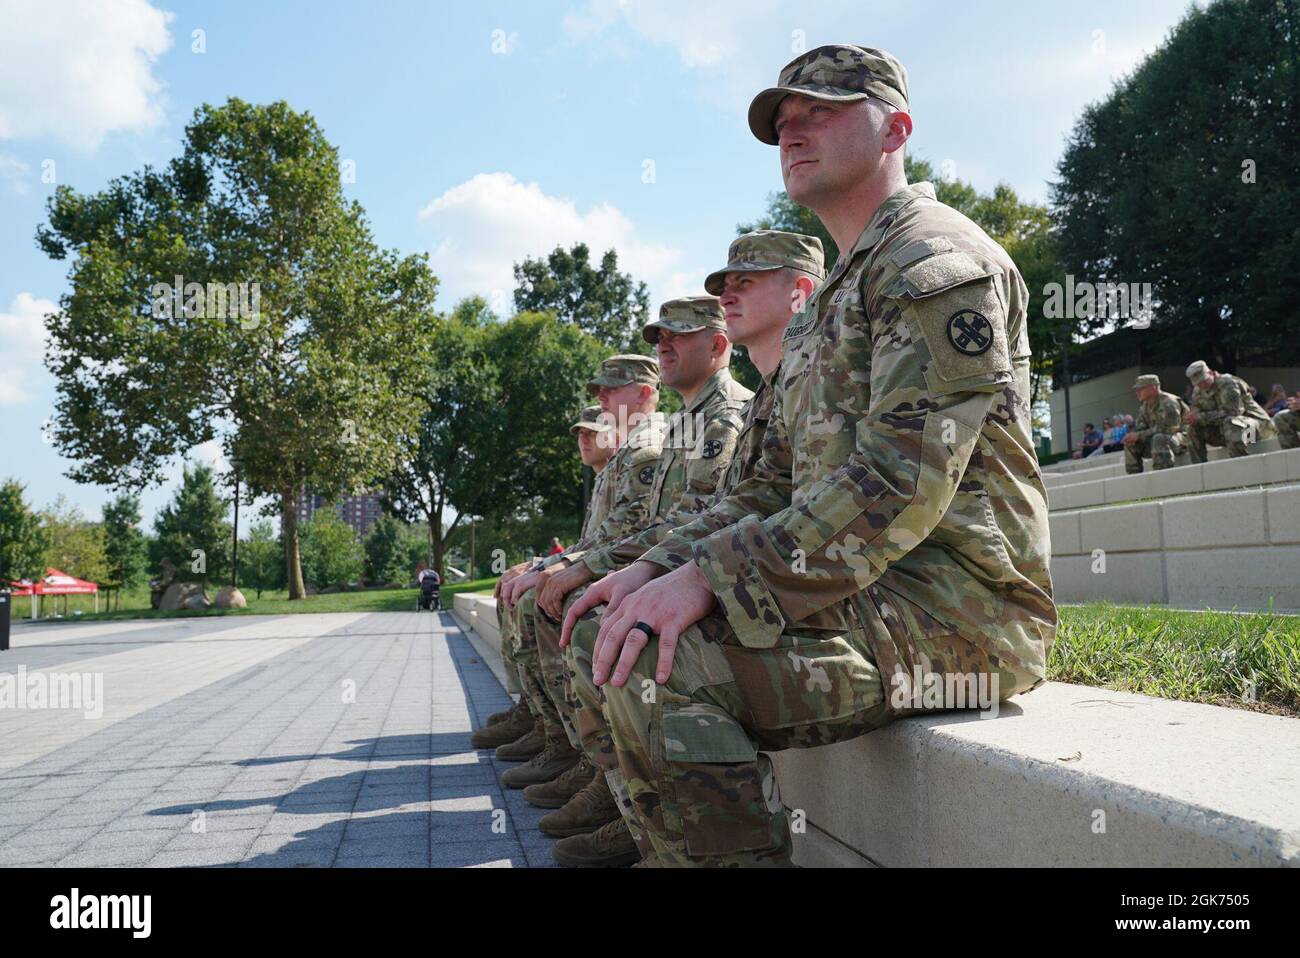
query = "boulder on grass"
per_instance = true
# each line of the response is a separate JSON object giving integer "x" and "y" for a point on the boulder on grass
{"x": 228, "y": 597}
{"x": 183, "y": 595}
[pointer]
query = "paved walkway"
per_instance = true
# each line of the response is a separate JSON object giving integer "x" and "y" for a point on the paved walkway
{"x": 296, "y": 740}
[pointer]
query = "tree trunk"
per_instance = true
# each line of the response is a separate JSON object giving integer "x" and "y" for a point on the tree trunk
{"x": 292, "y": 554}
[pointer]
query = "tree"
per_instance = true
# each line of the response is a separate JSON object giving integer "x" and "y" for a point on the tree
{"x": 22, "y": 539}
{"x": 73, "y": 544}
{"x": 125, "y": 548}
{"x": 331, "y": 555}
{"x": 606, "y": 304}
{"x": 192, "y": 530}
{"x": 306, "y": 383}
{"x": 260, "y": 566}
{"x": 1187, "y": 177}
{"x": 388, "y": 548}
{"x": 494, "y": 439}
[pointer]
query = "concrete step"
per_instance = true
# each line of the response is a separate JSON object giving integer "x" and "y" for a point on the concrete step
{"x": 1221, "y": 474}
{"x": 1063, "y": 775}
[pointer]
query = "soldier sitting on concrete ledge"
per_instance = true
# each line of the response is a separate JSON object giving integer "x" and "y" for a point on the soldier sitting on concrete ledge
{"x": 1224, "y": 413}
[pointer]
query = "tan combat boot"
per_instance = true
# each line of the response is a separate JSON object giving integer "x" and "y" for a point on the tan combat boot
{"x": 609, "y": 846}
{"x": 517, "y": 722}
{"x": 526, "y": 746}
{"x": 591, "y": 808}
{"x": 501, "y": 716}
{"x": 552, "y": 762}
{"x": 555, "y": 793}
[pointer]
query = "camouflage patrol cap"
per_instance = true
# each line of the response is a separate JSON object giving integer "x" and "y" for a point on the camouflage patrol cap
{"x": 841, "y": 71}
{"x": 625, "y": 369}
{"x": 686, "y": 315}
{"x": 1149, "y": 379}
{"x": 591, "y": 421}
{"x": 764, "y": 250}
{"x": 1198, "y": 371}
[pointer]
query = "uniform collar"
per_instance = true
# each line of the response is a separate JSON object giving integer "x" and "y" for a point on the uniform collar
{"x": 885, "y": 213}
{"x": 712, "y": 385}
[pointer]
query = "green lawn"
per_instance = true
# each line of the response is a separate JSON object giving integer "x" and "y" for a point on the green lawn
{"x": 1220, "y": 658}
{"x": 135, "y": 603}
{"x": 1247, "y": 661}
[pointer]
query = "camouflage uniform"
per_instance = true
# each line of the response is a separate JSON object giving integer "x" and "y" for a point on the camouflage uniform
{"x": 1287, "y": 424}
{"x": 697, "y": 447}
{"x": 897, "y": 520}
{"x": 629, "y": 475}
{"x": 1226, "y": 415}
{"x": 1159, "y": 429}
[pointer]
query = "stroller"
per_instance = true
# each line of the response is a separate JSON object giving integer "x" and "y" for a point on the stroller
{"x": 429, "y": 599}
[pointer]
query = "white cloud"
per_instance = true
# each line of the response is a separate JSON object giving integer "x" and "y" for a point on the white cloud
{"x": 77, "y": 70}
{"x": 488, "y": 223}
{"x": 14, "y": 172}
{"x": 22, "y": 331}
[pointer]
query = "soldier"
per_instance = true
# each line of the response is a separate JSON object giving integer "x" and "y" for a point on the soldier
{"x": 1287, "y": 424}
{"x": 694, "y": 353}
{"x": 627, "y": 387}
{"x": 1158, "y": 430}
{"x": 503, "y": 728}
{"x": 768, "y": 277}
{"x": 895, "y": 526}
{"x": 1224, "y": 413}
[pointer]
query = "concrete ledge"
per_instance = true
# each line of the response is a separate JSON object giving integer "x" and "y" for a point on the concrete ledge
{"x": 1065, "y": 775}
{"x": 1112, "y": 459}
{"x": 1171, "y": 783}
{"x": 476, "y": 614}
{"x": 1092, "y": 489}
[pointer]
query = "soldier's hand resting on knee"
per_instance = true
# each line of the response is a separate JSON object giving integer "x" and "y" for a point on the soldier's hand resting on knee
{"x": 550, "y": 595}
{"x": 669, "y": 606}
{"x": 610, "y": 591}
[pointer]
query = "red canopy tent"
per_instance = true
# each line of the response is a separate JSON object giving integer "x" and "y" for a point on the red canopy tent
{"x": 56, "y": 582}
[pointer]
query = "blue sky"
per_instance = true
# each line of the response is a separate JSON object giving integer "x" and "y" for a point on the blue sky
{"x": 485, "y": 132}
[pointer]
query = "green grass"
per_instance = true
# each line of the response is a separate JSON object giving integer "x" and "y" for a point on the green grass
{"x": 1247, "y": 661}
{"x": 135, "y": 603}
{"x": 1220, "y": 658}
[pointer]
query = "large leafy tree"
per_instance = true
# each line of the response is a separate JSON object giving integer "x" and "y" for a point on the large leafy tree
{"x": 599, "y": 300}
{"x": 307, "y": 392}
{"x": 1187, "y": 177}
{"x": 493, "y": 440}
{"x": 194, "y": 521}
{"x": 22, "y": 538}
{"x": 125, "y": 548}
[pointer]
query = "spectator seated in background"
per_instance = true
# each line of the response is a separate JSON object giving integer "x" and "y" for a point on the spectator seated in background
{"x": 1276, "y": 400}
{"x": 1107, "y": 438}
{"x": 556, "y": 546}
{"x": 1090, "y": 443}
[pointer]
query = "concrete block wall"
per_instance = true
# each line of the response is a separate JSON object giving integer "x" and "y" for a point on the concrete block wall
{"x": 1224, "y": 549}
{"x": 1175, "y": 784}
{"x": 1114, "y": 459}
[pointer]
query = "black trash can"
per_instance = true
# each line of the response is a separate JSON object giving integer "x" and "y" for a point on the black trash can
{"x": 4, "y": 619}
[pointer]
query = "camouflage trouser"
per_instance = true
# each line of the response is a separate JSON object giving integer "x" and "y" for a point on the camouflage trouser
{"x": 1234, "y": 434}
{"x": 1163, "y": 448}
{"x": 556, "y": 681}
{"x": 683, "y": 758}
{"x": 529, "y": 667}
{"x": 506, "y": 624}
{"x": 1287, "y": 424}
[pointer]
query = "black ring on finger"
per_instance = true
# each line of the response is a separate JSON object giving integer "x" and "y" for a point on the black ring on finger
{"x": 649, "y": 632}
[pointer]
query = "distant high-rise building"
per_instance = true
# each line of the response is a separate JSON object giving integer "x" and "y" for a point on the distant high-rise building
{"x": 360, "y": 512}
